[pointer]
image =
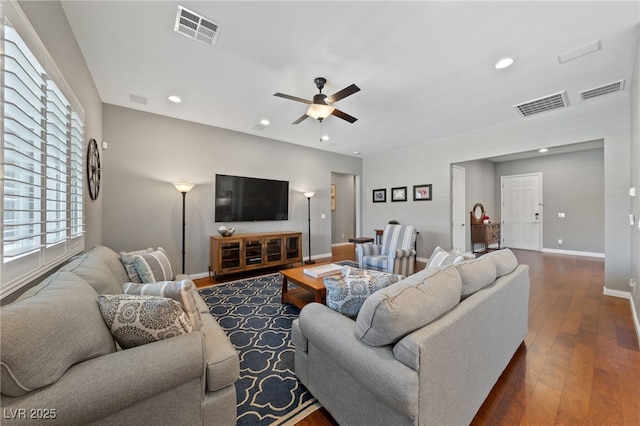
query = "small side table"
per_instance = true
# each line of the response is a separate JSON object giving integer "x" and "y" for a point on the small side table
{"x": 361, "y": 240}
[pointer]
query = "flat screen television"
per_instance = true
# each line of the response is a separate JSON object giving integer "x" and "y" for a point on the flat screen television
{"x": 247, "y": 199}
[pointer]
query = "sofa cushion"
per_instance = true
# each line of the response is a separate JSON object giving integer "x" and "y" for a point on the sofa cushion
{"x": 137, "y": 320}
{"x": 127, "y": 258}
{"x": 476, "y": 274}
{"x": 347, "y": 293}
{"x": 155, "y": 266}
{"x": 391, "y": 313}
{"x": 506, "y": 261}
{"x": 92, "y": 268}
{"x": 221, "y": 357}
{"x": 441, "y": 257}
{"x": 180, "y": 291}
{"x": 44, "y": 333}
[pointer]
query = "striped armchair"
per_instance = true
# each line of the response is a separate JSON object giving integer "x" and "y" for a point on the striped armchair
{"x": 396, "y": 254}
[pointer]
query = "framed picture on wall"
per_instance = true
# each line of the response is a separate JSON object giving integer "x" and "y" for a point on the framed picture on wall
{"x": 380, "y": 195}
{"x": 422, "y": 192}
{"x": 399, "y": 194}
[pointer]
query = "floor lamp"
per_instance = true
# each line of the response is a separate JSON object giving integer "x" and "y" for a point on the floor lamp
{"x": 183, "y": 188}
{"x": 309, "y": 195}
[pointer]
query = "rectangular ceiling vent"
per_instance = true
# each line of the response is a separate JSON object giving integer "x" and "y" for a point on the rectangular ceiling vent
{"x": 196, "y": 26}
{"x": 547, "y": 103}
{"x": 618, "y": 86}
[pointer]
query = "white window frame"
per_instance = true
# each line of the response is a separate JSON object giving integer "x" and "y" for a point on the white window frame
{"x": 56, "y": 198}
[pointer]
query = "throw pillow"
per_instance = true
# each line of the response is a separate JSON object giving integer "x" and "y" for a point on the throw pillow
{"x": 137, "y": 320}
{"x": 347, "y": 293}
{"x": 155, "y": 266}
{"x": 476, "y": 274}
{"x": 506, "y": 261}
{"x": 180, "y": 291}
{"x": 395, "y": 311}
{"x": 53, "y": 326}
{"x": 127, "y": 258}
{"x": 441, "y": 257}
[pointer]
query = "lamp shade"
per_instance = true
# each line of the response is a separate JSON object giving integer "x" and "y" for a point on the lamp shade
{"x": 309, "y": 194}
{"x": 320, "y": 112}
{"x": 184, "y": 187}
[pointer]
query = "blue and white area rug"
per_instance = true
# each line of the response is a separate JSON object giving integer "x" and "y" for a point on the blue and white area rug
{"x": 259, "y": 326}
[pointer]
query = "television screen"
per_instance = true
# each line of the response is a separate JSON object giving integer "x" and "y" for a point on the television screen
{"x": 246, "y": 199}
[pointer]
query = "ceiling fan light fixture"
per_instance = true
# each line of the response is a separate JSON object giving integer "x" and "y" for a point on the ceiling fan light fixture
{"x": 320, "y": 112}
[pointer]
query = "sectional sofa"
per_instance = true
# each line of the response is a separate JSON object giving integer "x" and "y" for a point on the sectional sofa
{"x": 425, "y": 350}
{"x": 61, "y": 363}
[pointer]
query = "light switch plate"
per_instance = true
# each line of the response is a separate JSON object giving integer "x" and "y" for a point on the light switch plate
{"x": 632, "y": 191}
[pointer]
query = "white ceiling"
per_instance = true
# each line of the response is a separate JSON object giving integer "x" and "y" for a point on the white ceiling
{"x": 425, "y": 69}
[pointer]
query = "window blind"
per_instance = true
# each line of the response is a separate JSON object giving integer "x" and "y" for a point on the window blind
{"x": 42, "y": 145}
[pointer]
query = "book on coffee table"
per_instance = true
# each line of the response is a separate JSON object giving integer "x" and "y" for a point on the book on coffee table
{"x": 323, "y": 270}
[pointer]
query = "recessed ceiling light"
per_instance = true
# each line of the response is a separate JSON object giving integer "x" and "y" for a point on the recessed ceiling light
{"x": 265, "y": 122}
{"x": 175, "y": 99}
{"x": 356, "y": 152}
{"x": 503, "y": 63}
{"x": 543, "y": 150}
{"x": 324, "y": 138}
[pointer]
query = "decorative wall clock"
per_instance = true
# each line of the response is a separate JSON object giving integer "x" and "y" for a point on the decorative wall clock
{"x": 93, "y": 169}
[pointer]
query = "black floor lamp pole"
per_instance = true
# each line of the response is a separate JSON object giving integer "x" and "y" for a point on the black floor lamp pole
{"x": 184, "y": 223}
{"x": 309, "y": 195}
{"x": 183, "y": 188}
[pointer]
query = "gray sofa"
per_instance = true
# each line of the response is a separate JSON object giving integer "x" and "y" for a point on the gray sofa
{"x": 60, "y": 364}
{"x": 417, "y": 354}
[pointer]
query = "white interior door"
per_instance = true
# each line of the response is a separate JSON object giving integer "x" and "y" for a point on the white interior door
{"x": 458, "y": 210}
{"x": 521, "y": 213}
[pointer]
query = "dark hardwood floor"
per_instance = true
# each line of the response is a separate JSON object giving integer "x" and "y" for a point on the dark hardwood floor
{"x": 580, "y": 362}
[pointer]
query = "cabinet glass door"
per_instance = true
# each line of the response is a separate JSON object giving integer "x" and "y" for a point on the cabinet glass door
{"x": 274, "y": 249}
{"x": 230, "y": 254}
{"x": 253, "y": 252}
{"x": 291, "y": 247}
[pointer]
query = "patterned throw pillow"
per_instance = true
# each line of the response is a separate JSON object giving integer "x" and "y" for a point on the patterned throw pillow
{"x": 441, "y": 257}
{"x": 137, "y": 320}
{"x": 127, "y": 258}
{"x": 347, "y": 293}
{"x": 180, "y": 291}
{"x": 153, "y": 267}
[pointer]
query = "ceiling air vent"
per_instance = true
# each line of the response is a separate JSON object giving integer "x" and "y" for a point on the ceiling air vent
{"x": 196, "y": 26}
{"x": 548, "y": 103}
{"x": 618, "y": 86}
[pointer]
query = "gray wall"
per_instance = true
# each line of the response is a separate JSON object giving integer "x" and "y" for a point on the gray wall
{"x": 607, "y": 118}
{"x": 51, "y": 25}
{"x": 343, "y": 219}
{"x": 635, "y": 182}
{"x": 147, "y": 152}
{"x": 572, "y": 183}
{"x": 480, "y": 177}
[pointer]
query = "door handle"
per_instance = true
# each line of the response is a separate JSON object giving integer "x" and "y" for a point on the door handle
{"x": 537, "y": 216}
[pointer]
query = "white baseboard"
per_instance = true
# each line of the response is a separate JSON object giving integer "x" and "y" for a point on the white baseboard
{"x": 198, "y": 276}
{"x": 626, "y": 295}
{"x": 573, "y": 252}
{"x": 616, "y": 293}
{"x": 341, "y": 244}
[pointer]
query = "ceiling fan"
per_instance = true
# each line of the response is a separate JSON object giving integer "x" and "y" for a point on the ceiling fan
{"x": 322, "y": 105}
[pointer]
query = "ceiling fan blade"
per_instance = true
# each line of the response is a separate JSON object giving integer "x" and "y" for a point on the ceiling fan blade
{"x": 293, "y": 98}
{"x": 301, "y": 119}
{"x": 344, "y": 116}
{"x": 347, "y": 91}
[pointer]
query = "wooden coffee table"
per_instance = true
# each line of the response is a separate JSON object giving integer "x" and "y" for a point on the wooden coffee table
{"x": 310, "y": 289}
